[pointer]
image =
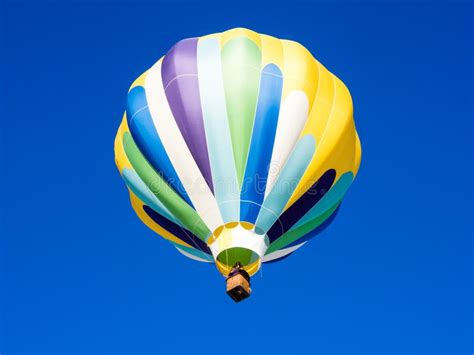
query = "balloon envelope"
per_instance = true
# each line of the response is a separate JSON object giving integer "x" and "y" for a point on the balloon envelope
{"x": 237, "y": 147}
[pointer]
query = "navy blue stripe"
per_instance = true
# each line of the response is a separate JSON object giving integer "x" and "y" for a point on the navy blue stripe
{"x": 185, "y": 235}
{"x": 319, "y": 229}
{"x": 296, "y": 211}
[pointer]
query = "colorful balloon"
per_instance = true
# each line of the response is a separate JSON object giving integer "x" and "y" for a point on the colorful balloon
{"x": 237, "y": 147}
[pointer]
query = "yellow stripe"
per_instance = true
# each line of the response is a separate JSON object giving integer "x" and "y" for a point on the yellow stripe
{"x": 272, "y": 51}
{"x": 332, "y": 124}
{"x": 301, "y": 71}
{"x": 140, "y": 81}
{"x": 323, "y": 103}
{"x": 121, "y": 159}
{"x": 357, "y": 156}
{"x": 137, "y": 205}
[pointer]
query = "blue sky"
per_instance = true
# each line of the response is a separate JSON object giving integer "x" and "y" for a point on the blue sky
{"x": 80, "y": 273}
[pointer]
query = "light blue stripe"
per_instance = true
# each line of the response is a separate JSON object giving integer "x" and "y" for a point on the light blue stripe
{"x": 331, "y": 198}
{"x": 140, "y": 189}
{"x": 261, "y": 146}
{"x": 211, "y": 88}
{"x": 195, "y": 252}
{"x": 286, "y": 183}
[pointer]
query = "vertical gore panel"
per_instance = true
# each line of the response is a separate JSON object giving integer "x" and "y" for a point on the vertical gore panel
{"x": 261, "y": 146}
{"x": 180, "y": 80}
{"x": 241, "y": 62}
{"x": 290, "y": 176}
{"x": 219, "y": 143}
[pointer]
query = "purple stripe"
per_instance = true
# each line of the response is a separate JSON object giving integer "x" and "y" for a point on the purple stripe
{"x": 180, "y": 80}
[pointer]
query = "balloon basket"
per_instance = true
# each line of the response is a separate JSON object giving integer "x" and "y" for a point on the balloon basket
{"x": 238, "y": 284}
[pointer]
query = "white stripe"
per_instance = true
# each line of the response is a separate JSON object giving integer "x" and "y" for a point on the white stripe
{"x": 291, "y": 121}
{"x": 194, "y": 257}
{"x": 178, "y": 152}
{"x": 281, "y": 253}
{"x": 211, "y": 88}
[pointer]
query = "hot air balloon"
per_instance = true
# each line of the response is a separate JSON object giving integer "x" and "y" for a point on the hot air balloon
{"x": 238, "y": 148}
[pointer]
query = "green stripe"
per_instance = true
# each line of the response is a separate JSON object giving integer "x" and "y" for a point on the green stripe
{"x": 172, "y": 201}
{"x": 294, "y": 234}
{"x": 241, "y": 66}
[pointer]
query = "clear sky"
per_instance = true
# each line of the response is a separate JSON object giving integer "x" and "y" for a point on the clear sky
{"x": 80, "y": 273}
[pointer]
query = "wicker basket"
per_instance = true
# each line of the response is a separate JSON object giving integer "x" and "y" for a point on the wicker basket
{"x": 238, "y": 285}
